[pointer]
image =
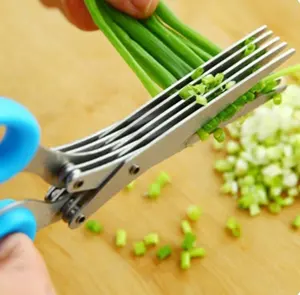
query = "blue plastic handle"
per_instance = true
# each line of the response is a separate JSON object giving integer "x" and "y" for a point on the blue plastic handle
{"x": 21, "y": 138}
{"x": 19, "y": 220}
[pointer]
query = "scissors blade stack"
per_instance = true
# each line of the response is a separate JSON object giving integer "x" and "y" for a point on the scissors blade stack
{"x": 110, "y": 159}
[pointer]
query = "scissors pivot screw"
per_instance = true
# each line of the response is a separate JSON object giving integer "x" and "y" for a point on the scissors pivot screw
{"x": 134, "y": 169}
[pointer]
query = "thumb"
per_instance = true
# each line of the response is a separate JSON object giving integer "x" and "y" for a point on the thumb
{"x": 21, "y": 262}
{"x": 135, "y": 8}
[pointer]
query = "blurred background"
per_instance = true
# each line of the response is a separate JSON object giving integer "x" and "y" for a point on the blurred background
{"x": 75, "y": 84}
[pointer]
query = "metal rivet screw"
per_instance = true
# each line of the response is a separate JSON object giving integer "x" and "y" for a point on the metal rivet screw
{"x": 134, "y": 169}
{"x": 80, "y": 219}
{"x": 78, "y": 184}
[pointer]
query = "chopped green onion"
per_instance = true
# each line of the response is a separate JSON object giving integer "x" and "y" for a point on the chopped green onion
{"x": 230, "y": 85}
{"x": 186, "y": 227}
{"x": 187, "y": 92}
{"x": 163, "y": 179}
{"x": 197, "y": 253}
{"x": 164, "y": 252}
{"x": 296, "y": 222}
{"x": 130, "y": 186}
{"x": 232, "y": 147}
{"x": 121, "y": 238}
{"x": 219, "y": 135}
{"x": 274, "y": 208}
{"x": 219, "y": 78}
{"x": 154, "y": 191}
{"x": 194, "y": 212}
{"x": 94, "y": 226}
{"x": 139, "y": 249}
{"x": 254, "y": 209}
{"x": 250, "y": 49}
{"x": 208, "y": 80}
{"x": 218, "y": 145}
{"x": 201, "y": 100}
{"x": 151, "y": 239}
{"x": 203, "y": 135}
{"x": 185, "y": 260}
{"x": 223, "y": 166}
{"x": 198, "y": 72}
{"x": 277, "y": 99}
{"x": 189, "y": 241}
{"x": 234, "y": 227}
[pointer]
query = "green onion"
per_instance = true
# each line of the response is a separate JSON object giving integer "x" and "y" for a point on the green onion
{"x": 187, "y": 92}
{"x": 186, "y": 227}
{"x": 201, "y": 100}
{"x": 203, "y": 135}
{"x": 197, "y": 73}
{"x": 234, "y": 227}
{"x": 197, "y": 253}
{"x": 154, "y": 191}
{"x": 139, "y": 249}
{"x": 154, "y": 46}
{"x": 151, "y": 239}
{"x": 194, "y": 212}
{"x": 121, "y": 238}
{"x": 274, "y": 208}
{"x": 170, "y": 19}
{"x": 277, "y": 99}
{"x": 219, "y": 135}
{"x": 130, "y": 186}
{"x": 173, "y": 42}
{"x": 223, "y": 166}
{"x": 163, "y": 179}
{"x": 94, "y": 226}
{"x": 189, "y": 241}
{"x": 296, "y": 222}
{"x": 101, "y": 21}
{"x": 185, "y": 260}
{"x": 250, "y": 49}
{"x": 164, "y": 252}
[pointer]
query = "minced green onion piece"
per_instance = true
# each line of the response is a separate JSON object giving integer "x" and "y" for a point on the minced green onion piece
{"x": 194, "y": 212}
{"x": 130, "y": 186}
{"x": 219, "y": 135}
{"x": 234, "y": 227}
{"x": 152, "y": 239}
{"x": 198, "y": 72}
{"x": 201, "y": 100}
{"x": 94, "y": 226}
{"x": 232, "y": 147}
{"x": 139, "y": 248}
{"x": 197, "y": 253}
{"x": 163, "y": 179}
{"x": 288, "y": 201}
{"x": 223, "y": 166}
{"x": 274, "y": 208}
{"x": 121, "y": 238}
{"x": 186, "y": 227}
{"x": 164, "y": 252}
{"x": 154, "y": 191}
{"x": 203, "y": 135}
{"x": 249, "y": 49}
{"x": 219, "y": 78}
{"x": 187, "y": 91}
{"x": 277, "y": 99}
{"x": 254, "y": 210}
{"x": 208, "y": 80}
{"x": 296, "y": 222}
{"x": 250, "y": 96}
{"x": 200, "y": 89}
{"x": 230, "y": 85}
{"x": 218, "y": 146}
{"x": 249, "y": 40}
{"x": 185, "y": 260}
{"x": 293, "y": 192}
{"x": 189, "y": 241}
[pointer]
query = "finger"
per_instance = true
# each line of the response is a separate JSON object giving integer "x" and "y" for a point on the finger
{"x": 135, "y": 8}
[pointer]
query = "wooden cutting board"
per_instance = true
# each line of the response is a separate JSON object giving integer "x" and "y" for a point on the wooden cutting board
{"x": 75, "y": 83}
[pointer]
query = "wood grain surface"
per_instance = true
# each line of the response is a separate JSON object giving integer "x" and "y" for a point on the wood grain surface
{"x": 75, "y": 83}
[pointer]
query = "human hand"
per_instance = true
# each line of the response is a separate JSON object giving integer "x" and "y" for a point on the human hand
{"x": 22, "y": 269}
{"x": 77, "y": 13}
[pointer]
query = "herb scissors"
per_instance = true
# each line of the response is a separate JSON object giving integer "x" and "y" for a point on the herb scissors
{"x": 86, "y": 173}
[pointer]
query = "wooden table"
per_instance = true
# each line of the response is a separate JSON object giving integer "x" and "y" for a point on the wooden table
{"x": 75, "y": 83}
